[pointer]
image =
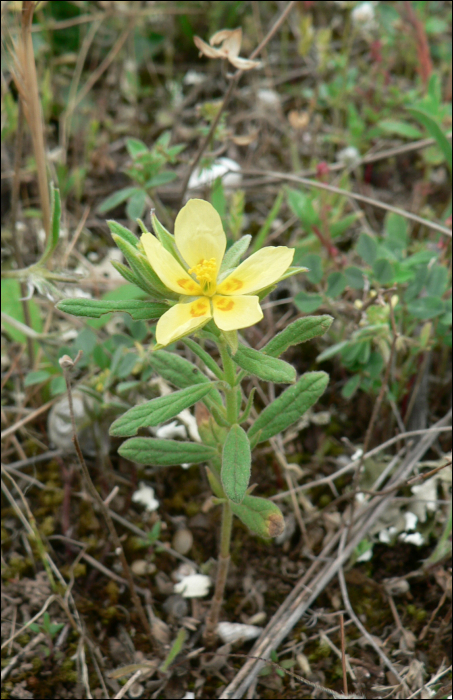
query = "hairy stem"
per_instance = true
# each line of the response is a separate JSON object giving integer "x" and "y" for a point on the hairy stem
{"x": 222, "y": 572}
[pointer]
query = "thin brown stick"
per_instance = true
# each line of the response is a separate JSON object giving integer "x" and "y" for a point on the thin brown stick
{"x": 26, "y": 80}
{"x": 66, "y": 364}
{"x": 234, "y": 81}
{"x": 361, "y": 627}
{"x": 314, "y": 581}
{"x": 27, "y": 419}
{"x": 343, "y": 655}
{"x": 96, "y": 74}
{"x": 353, "y": 465}
{"x": 14, "y": 206}
{"x": 353, "y": 195}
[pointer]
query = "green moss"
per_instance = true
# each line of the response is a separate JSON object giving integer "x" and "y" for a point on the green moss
{"x": 112, "y": 591}
{"x": 192, "y": 509}
{"x": 417, "y": 613}
{"x": 37, "y": 664}
{"x": 109, "y": 613}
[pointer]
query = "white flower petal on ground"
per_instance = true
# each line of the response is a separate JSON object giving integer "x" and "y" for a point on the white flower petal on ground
{"x": 170, "y": 431}
{"x": 411, "y": 520}
{"x": 193, "y": 586}
{"x": 145, "y": 496}
{"x": 234, "y": 631}
{"x": 221, "y": 166}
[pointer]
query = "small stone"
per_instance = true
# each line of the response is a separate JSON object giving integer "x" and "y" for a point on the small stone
{"x": 176, "y": 606}
{"x": 140, "y": 567}
{"x": 182, "y": 541}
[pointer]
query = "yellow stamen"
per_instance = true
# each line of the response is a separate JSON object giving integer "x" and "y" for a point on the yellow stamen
{"x": 205, "y": 272}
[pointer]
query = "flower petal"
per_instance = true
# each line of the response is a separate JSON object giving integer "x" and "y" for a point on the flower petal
{"x": 182, "y": 319}
{"x": 199, "y": 233}
{"x": 207, "y": 50}
{"x": 167, "y": 268}
{"x": 231, "y": 38}
{"x": 259, "y": 270}
{"x": 223, "y": 35}
{"x": 232, "y": 312}
{"x": 243, "y": 63}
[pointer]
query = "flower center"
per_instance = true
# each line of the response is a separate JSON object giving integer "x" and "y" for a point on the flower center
{"x": 205, "y": 272}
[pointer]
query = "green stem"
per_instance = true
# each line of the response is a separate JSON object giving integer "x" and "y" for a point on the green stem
{"x": 232, "y": 415}
{"x": 222, "y": 573}
{"x": 230, "y": 389}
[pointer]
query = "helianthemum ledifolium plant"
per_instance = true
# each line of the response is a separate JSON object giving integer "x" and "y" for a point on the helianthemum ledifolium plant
{"x": 198, "y": 287}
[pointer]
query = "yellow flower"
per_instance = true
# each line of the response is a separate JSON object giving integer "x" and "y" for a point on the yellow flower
{"x": 228, "y": 297}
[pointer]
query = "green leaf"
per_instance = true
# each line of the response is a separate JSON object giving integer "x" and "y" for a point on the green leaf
{"x": 86, "y": 341}
{"x": 180, "y": 372}
{"x": 135, "y": 147}
{"x": 351, "y": 386}
{"x": 396, "y": 232}
{"x": 142, "y": 268}
{"x": 297, "y": 332}
{"x": 116, "y": 198}
{"x": 37, "y": 377}
{"x": 263, "y": 366}
{"x": 261, "y": 236}
{"x": 231, "y": 339}
{"x": 165, "y": 453}
{"x": 236, "y": 462}
{"x": 157, "y": 410}
{"x": 354, "y": 277}
{"x": 95, "y": 308}
{"x": 176, "y": 649}
{"x": 383, "y": 271}
{"x": 54, "y": 232}
{"x": 161, "y": 179}
{"x": 336, "y": 283}
{"x": 337, "y": 228}
{"x": 394, "y": 126}
{"x": 57, "y": 385}
{"x": 218, "y": 199}
{"x": 301, "y": 205}
{"x": 367, "y": 248}
{"x": 122, "y": 232}
{"x": 262, "y": 517}
{"x": 127, "y": 364}
{"x": 136, "y": 205}
{"x": 204, "y": 357}
{"x": 12, "y": 306}
{"x": 164, "y": 236}
{"x": 290, "y": 405}
{"x": 333, "y": 350}
{"x": 314, "y": 264}
{"x": 426, "y": 307}
{"x": 131, "y": 277}
{"x": 307, "y": 303}
{"x": 235, "y": 253}
{"x": 437, "y": 281}
{"x": 434, "y": 129}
